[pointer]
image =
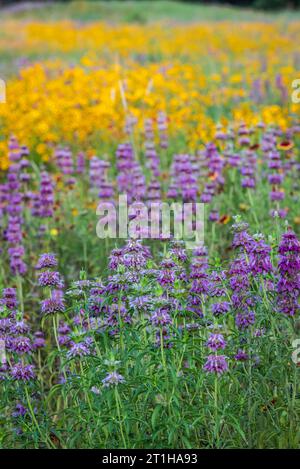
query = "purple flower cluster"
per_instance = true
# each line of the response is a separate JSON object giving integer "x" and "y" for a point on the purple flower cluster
{"x": 11, "y": 203}
{"x": 248, "y": 167}
{"x": 54, "y": 304}
{"x": 134, "y": 255}
{"x": 152, "y": 159}
{"x": 240, "y": 275}
{"x": 46, "y": 261}
{"x": 216, "y": 342}
{"x": 43, "y": 201}
{"x": 130, "y": 179}
{"x": 216, "y": 364}
{"x": 9, "y": 299}
{"x": 288, "y": 287}
{"x": 46, "y": 196}
{"x": 64, "y": 160}
{"x": 162, "y": 125}
{"x": 184, "y": 177}
{"x": 22, "y": 372}
{"x": 161, "y": 318}
{"x": 199, "y": 281}
{"x": 50, "y": 279}
{"x": 15, "y": 335}
{"x": 113, "y": 379}
{"x": 80, "y": 163}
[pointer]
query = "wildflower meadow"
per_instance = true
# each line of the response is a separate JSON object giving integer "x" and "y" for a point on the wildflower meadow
{"x": 170, "y": 320}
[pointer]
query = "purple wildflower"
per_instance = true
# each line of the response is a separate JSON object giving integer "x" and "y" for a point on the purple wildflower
{"x": 19, "y": 411}
{"x": 113, "y": 379}
{"x": 39, "y": 340}
{"x": 9, "y": 298}
{"x": 245, "y": 319}
{"x": 160, "y": 317}
{"x": 46, "y": 260}
{"x": 216, "y": 364}
{"x": 216, "y": 342}
{"x": 288, "y": 287}
{"x": 22, "y": 372}
{"x": 50, "y": 279}
{"x": 21, "y": 345}
{"x": 54, "y": 304}
{"x": 79, "y": 349}
{"x": 241, "y": 356}
{"x": 220, "y": 308}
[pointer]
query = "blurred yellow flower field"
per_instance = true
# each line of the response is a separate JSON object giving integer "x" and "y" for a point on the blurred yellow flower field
{"x": 97, "y": 74}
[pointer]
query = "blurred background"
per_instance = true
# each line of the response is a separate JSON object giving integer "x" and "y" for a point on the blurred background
{"x": 259, "y": 4}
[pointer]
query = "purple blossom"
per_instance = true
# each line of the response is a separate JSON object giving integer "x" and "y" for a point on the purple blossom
{"x": 50, "y": 279}
{"x": 19, "y": 411}
{"x": 20, "y": 327}
{"x": 79, "y": 349}
{"x": 21, "y": 345}
{"x": 80, "y": 163}
{"x": 17, "y": 265}
{"x": 115, "y": 259}
{"x": 53, "y": 305}
{"x": 9, "y": 298}
{"x": 46, "y": 196}
{"x": 214, "y": 215}
{"x": 46, "y": 260}
{"x": 22, "y": 372}
{"x": 160, "y": 318}
{"x": 241, "y": 356}
{"x": 288, "y": 287}
{"x": 220, "y": 308}
{"x": 216, "y": 364}
{"x": 245, "y": 319}
{"x": 39, "y": 340}
{"x": 277, "y": 195}
{"x": 216, "y": 342}
{"x": 113, "y": 379}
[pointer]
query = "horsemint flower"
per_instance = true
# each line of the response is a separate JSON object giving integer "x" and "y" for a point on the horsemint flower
{"x": 216, "y": 364}
{"x": 54, "y": 304}
{"x": 22, "y": 372}
{"x": 46, "y": 260}
{"x": 220, "y": 308}
{"x": 216, "y": 342}
{"x": 46, "y": 196}
{"x": 78, "y": 349}
{"x": 39, "y": 340}
{"x": 50, "y": 279}
{"x": 288, "y": 287}
{"x": 9, "y": 298}
{"x": 21, "y": 345}
{"x": 113, "y": 379}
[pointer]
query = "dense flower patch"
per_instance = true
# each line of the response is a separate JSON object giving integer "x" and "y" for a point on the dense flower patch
{"x": 97, "y": 76}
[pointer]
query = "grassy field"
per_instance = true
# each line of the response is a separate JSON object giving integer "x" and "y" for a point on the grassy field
{"x": 141, "y": 12}
{"x": 121, "y": 12}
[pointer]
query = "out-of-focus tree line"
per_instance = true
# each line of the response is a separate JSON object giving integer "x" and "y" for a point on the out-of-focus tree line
{"x": 263, "y": 4}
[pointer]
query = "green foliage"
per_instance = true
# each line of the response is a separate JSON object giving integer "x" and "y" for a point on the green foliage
{"x": 141, "y": 11}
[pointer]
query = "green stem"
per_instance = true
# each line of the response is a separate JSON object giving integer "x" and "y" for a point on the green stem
{"x": 216, "y": 395}
{"x": 117, "y": 397}
{"x": 31, "y": 411}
